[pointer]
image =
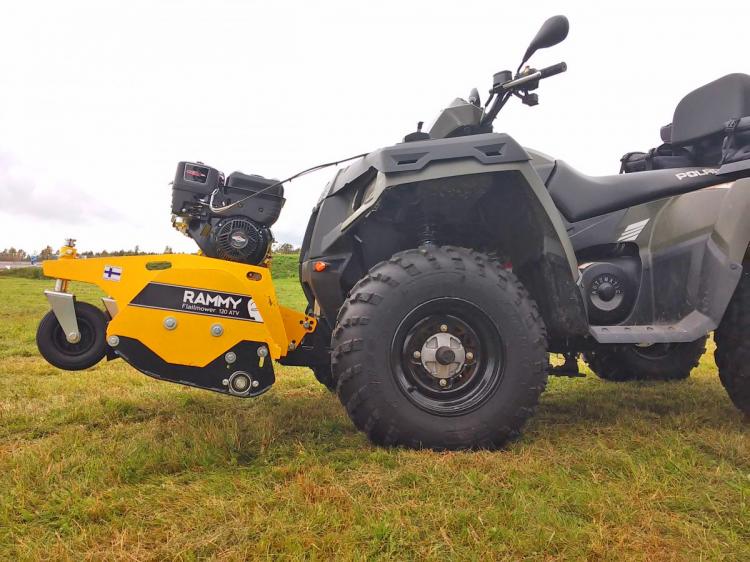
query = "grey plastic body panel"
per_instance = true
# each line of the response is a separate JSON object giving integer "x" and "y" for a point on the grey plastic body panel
{"x": 342, "y": 231}
{"x": 459, "y": 114}
{"x": 691, "y": 250}
{"x": 542, "y": 163}
{"x": 467, "y": 167}
{"x": 742, "y": 167}
{"x": 489, "y": 148}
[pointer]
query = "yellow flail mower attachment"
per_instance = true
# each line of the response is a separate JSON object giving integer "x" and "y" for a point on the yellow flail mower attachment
{"x": 188, "y": 319}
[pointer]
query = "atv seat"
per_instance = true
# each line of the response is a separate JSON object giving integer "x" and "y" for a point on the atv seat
{"x": 579, "y": 196}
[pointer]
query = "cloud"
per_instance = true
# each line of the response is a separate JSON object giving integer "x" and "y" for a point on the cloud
{"x": 32, "y": 193}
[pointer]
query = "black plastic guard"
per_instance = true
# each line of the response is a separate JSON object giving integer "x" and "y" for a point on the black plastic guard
{"x": 313, "y": 351}
{"x": 210, "y": 377}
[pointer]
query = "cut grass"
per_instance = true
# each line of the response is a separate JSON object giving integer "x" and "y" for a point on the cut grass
{"x": 111, "y": 464}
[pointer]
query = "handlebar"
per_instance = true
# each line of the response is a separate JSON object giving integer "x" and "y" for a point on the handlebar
{"x": 523, "y": 83}
{"x": 520, "y": 81}
{"x": 558, "y": 68}
{"x": 531, "y": 78}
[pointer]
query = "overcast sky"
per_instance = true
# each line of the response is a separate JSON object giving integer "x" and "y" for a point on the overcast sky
{"x": 99, "y": 100}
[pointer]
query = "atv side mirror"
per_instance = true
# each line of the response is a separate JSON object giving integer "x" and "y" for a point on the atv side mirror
{"x": 552, "y": 32}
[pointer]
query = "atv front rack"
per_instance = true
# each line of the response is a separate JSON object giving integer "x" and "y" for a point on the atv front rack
{"x": 188, "y": 319}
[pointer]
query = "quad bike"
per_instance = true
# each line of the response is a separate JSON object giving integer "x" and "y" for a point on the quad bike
{"x": 440, "y": 272}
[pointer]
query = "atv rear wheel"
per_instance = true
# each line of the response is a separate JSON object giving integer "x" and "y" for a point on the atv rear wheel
{"x": 657, "y": 362}
{"x": 86, "y": 352}
{"x": 439, "y": 347}
{"x": 732, "y": 353}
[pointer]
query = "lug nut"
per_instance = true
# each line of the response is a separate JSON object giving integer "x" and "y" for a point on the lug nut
{"x": 225, "y": 382}
{"x": 443, "y": 327}
{"x": 73, "y": 337}
{"x": 443, "y": 382}
{"x": 469, "y": 356}
{"x": 417, "y": 355}
{"x": 113, "y": 341}
{"x": 217, "y": 330}
{"x": 170, "y": 322}
{"x": 230, "y": 357}
{"x": 256, "y": 384}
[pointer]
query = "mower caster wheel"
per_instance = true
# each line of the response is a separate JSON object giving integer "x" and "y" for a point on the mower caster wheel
{"x": 86, "y": 352}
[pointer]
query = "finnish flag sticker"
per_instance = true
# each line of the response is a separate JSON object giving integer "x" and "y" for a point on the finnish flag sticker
{"x": 112, "y": 273}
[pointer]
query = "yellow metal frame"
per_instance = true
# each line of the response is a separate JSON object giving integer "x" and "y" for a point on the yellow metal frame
{"x": 194, "y": 339}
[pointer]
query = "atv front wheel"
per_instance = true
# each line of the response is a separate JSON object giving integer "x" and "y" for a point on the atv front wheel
{"x": 732, "y": 353}
{"x": 86, "y": 352}
{"x": 324, "y": 376}
{"x": 442, "y": 348}
{"x": 657, "y": 362}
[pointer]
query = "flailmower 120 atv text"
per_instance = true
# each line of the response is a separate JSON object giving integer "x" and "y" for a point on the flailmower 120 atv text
{"x": 441, "y": 271}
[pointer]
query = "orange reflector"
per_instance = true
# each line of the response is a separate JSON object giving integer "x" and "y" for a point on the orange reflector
{"x": 320, "y": 266}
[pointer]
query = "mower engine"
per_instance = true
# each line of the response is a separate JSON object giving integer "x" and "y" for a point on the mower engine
{"x": 229, "y": 218}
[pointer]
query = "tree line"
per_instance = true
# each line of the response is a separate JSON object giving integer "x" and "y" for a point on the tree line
{"x": 48, "y": 253}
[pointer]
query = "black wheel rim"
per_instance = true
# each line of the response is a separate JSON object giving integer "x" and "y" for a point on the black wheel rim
{"x": 474, "y": 383}
{"x": 88, "y": 338}
{"x": 655, "y": 351}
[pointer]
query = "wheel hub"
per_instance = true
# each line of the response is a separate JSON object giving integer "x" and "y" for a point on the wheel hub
{"x": 443, "y": 355}
{"x": 447, "y": 356}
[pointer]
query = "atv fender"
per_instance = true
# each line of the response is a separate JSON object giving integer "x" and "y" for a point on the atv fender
{"x": 356, "y": 192}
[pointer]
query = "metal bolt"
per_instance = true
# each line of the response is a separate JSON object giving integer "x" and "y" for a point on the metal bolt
{"x": 262, "y": 351}
{"x": 256, "y": 384}
{"x": 217, "y": 330}
{"x": 443, "y": 327}
{"x": 113, "y": 341}
{"x": 469, "y": 356}
{"x": 170, "y": 322}
{"x": 225, "y": 382}
{"x": 73, "y": 337}
{"x": 443, "y": 382}
{"x": 307, "y": 324}
{"x": 292, "y": 346}
{"x": 417, "y": 355}
{"x": 230, "y": 357}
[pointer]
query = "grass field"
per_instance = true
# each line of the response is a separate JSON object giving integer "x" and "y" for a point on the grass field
{"x": 109, "y": 464}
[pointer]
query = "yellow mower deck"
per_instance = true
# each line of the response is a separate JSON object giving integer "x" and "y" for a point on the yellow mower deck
{"x": 188, "y": 310}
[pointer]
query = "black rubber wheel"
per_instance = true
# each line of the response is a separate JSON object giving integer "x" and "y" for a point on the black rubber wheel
{"x": 50, "y": 339}
{"x": 657, "y": 362}
{"x": 732, "y": 353}
{"x": 324, "y": 376}
{"x": 439, "y": 347}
